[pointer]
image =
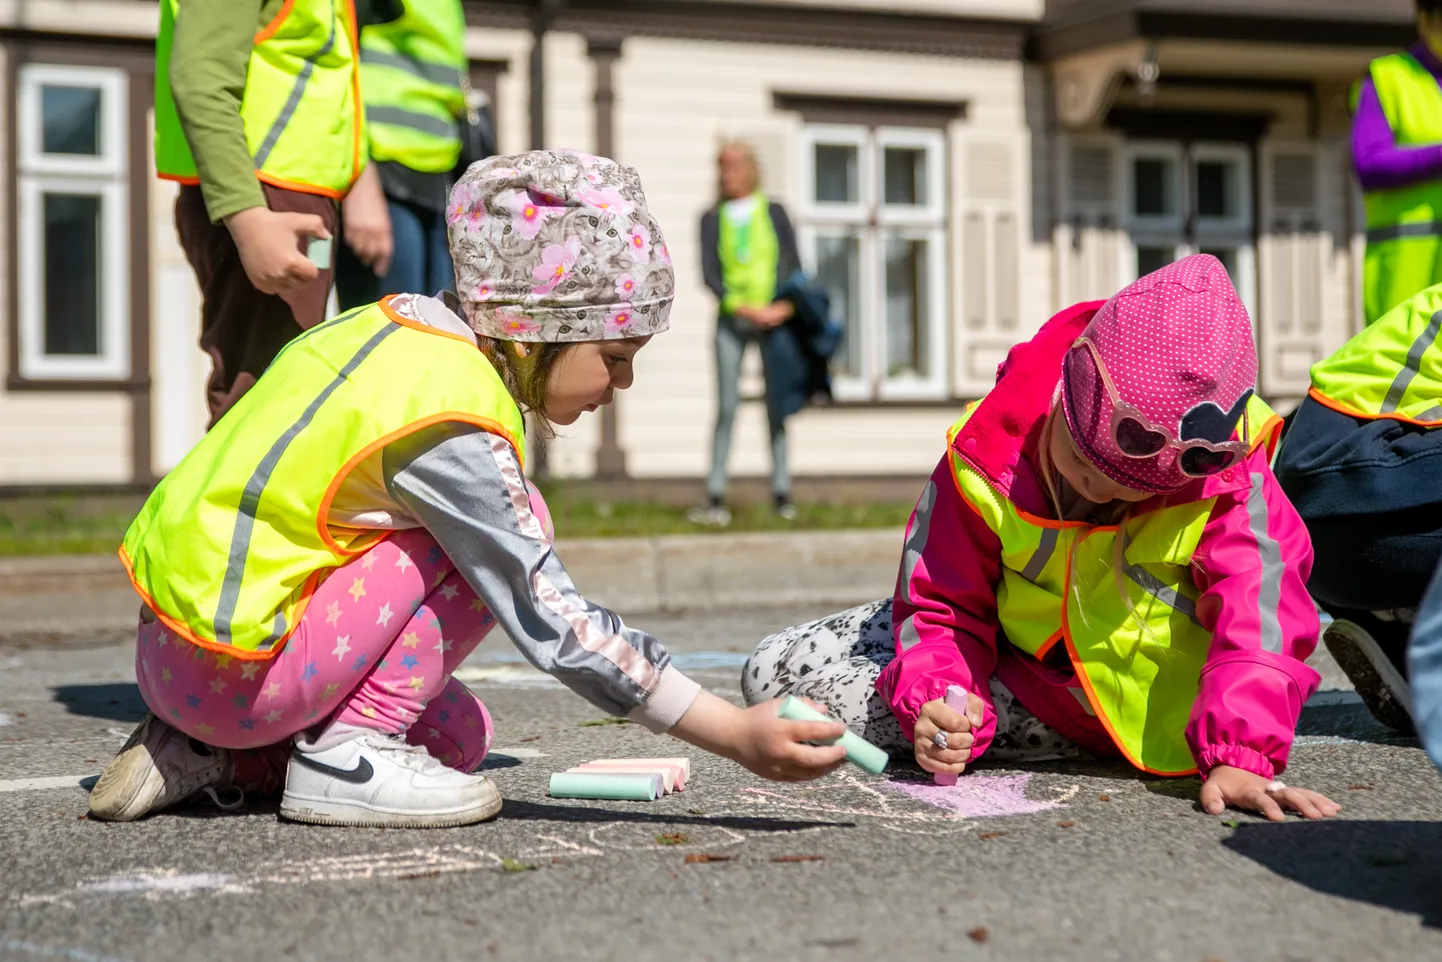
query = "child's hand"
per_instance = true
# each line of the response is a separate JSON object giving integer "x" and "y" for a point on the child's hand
{"x": 775, "y": 748}
{"x": 760, "y": 740}
{"x": 269, "y": 245}
{"x": 1226, "y": 785}
{"x": 936, "y": 717}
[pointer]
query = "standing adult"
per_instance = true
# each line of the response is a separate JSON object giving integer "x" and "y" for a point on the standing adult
{"x": 414, "y": 84}
{"x": 1397, "y": 152}
{"x": 257, "y": 115}
{"x": 748, "y": 248}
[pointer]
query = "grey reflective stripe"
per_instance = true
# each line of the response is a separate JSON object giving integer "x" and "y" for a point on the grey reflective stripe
{"x": 1413, "y": 364}
{"x": 1431, "y": 414}
{"x": 293, "y": 101}
{"x": 425, "y": 123}
{"x": 1426, "y": 228}
{"x": 1042, "y": 555}
{"x": 1269, "y": 582}
{"x": 324, "y": 325}
{"x": 436, "y": 73}
{"x": 1164, "y": 593}
{"x": 255, "y": 487}
{"x": 920, "y": 531}
{"x": 908, "y": 635}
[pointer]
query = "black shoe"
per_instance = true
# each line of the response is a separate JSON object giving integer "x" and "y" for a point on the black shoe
{"x": 785, "y": 508}
{"x": 1373, "y": 653}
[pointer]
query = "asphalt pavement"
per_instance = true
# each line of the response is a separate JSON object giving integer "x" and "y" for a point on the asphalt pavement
{"x": 1082, "y": 861}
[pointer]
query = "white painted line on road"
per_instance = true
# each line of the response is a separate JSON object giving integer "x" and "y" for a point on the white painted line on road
{"x": 517, "y": 752}
{"x": 5, "y": 719}
{"x": 42, "y": 784}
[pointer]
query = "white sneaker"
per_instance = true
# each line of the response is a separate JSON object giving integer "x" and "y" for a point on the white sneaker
{"x": 157, "y": 767}
{"x": 713, "y": 514}
{"x": 380, "y": 781}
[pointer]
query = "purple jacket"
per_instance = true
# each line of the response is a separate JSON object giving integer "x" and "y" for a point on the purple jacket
{"x": 1379, "y": 162}
{"x": 1253, "y": 588}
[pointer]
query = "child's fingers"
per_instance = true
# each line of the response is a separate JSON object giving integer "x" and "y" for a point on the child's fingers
{"x": 1299, "y": 801}
{"x": 1260, "y": 801}
{"x": 809, "y": 731}
{"x": 812, "y": 757}
{"x": 974, "y": 709}
{"x": 1212, "y": 801}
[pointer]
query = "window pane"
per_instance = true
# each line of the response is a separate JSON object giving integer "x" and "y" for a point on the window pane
{"x": 907, "y": 307}
{"x": 838, "y": 269}
{"x": 1216, "y": 188}
{"x": 836, "y": 177}
{"x": 905, "y": 173}
{"x": 1154, "y": 259}
{"x": 70, "y": 120}
{"x": 72, "y": 274}
{"x": 1155, "y": 191}
{"x": 1228, "y": 257}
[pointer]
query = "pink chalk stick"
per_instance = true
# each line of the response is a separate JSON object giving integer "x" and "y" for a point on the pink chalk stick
{"x": 956, "y": 701}
{"x": 674, "y": 777}
{"x": 685, "y": 763}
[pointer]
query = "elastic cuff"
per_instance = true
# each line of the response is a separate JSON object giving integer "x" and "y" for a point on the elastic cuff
{"x": 670, "y": 700}
{"x": 1236, "y": 756}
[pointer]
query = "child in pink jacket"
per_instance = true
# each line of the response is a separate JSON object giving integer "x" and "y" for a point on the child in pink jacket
{"x": 1102, "y": 559}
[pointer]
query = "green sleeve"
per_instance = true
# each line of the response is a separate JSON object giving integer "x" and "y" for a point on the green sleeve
{"x": 208, "y": 63}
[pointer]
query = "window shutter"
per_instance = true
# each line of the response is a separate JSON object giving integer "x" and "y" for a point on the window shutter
{"x": 991, "y": 174}
{"x": 1088, "y": 238}
{"x": 1305, "y": 304}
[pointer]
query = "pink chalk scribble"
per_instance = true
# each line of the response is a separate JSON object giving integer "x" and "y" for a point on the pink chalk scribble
{"x": 978, "y": 796}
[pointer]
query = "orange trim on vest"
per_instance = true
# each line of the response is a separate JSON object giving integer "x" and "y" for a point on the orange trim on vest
{"x": 1341, "y": 408}
{"x": 267, "y": 31}
{"x": 1092, "y": 695}
{"x": 270, "y": 179}
{"x": 179, "y": 178}
{"x": 385, "y": 305}
{"x": 239, "y": 654}
{"x": 1047, "y": 646}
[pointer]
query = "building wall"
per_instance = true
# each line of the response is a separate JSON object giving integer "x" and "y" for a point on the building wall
{"x": 676, "y": 102}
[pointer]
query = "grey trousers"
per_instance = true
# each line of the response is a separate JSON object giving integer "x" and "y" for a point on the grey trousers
{"x": 732, "y": 336}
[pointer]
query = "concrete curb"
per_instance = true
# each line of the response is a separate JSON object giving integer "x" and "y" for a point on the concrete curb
{"x": 45, "y": 598}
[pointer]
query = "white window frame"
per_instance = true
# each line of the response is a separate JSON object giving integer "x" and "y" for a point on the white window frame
{"x": 39, "y": 173}
{"x": 1243, "y": 223}
{"x": 872, "y": 221}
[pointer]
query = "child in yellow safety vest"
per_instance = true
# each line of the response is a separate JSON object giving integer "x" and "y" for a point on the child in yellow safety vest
{"x": 1102, "y": 560}
{"x": 318, "y": 567}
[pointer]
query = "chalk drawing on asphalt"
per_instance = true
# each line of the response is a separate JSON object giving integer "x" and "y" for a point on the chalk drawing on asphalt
{"x": 948, "y": 810}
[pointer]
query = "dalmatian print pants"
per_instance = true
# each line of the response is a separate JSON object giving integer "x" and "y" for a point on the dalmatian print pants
{"x": 836, "y": 660}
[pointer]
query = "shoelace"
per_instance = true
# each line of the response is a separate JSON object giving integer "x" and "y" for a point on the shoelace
{"x": 402, "y": 752}
{"x": 214, "y": 795}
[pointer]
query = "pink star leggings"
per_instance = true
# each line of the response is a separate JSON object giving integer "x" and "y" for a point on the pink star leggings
{"x": 375, "y": 649}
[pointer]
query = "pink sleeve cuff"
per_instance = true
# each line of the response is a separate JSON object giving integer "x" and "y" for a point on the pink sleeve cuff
{"x": 671, "y": 699}
{"x": 1237, "y": 756}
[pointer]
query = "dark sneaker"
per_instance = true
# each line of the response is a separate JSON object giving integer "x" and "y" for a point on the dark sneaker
{"x": 1375, "y": 661}
{"x": 158, "y": 767}
{"x": 785, "y": 508}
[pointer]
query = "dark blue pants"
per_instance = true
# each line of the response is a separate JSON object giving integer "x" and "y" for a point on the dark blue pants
{"x": 420, "y": 264}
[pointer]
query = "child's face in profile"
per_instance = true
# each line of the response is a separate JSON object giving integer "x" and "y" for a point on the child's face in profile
{"x": 1081, "y": 474}
{"x": 588, "y": 375}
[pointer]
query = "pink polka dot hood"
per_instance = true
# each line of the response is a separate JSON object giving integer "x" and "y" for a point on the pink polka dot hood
{"x": 1178, "y": 346}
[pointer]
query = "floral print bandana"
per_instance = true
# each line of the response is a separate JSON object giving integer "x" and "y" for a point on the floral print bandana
{"x": 558, "y": 246}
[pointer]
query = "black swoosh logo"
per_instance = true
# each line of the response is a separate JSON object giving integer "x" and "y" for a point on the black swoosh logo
{"x": 356, "y": 776}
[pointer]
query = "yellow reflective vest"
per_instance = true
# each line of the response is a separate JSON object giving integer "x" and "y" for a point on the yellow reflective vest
{"x": 301, "y": 108}
{"x": 229, "y": 548}
{"x": 1392, "y": 369}
{"x": 1404, "y": 224}
{"x": 1060, "y": 584}
{"x": 411, "y": 80}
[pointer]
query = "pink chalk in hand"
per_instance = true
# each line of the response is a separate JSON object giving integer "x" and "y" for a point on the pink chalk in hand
{"x": 956, "y": 701}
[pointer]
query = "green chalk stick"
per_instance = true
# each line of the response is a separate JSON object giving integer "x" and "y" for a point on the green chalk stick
{"x": 634, "y": 788}
{"x": 859, "y": 751}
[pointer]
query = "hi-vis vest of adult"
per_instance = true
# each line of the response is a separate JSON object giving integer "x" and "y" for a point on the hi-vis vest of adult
{"x": 231, "y": 545}
{"x": 301, "y": 107}
{"x": 1392, "y": 369}
{"x": 1404, "y": 224}
{"x": 411, "y": 79}
{"x": 1059, "y": 584}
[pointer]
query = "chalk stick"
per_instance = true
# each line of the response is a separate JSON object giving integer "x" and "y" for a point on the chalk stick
{"x": 956, "y": 701}
{"x": 607, "y": 785}
{"x": 859, "y": 751}
{"x": 318, "y": 252}
{"x": 675, "y": 778}
{"x": 685, "y": 763}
